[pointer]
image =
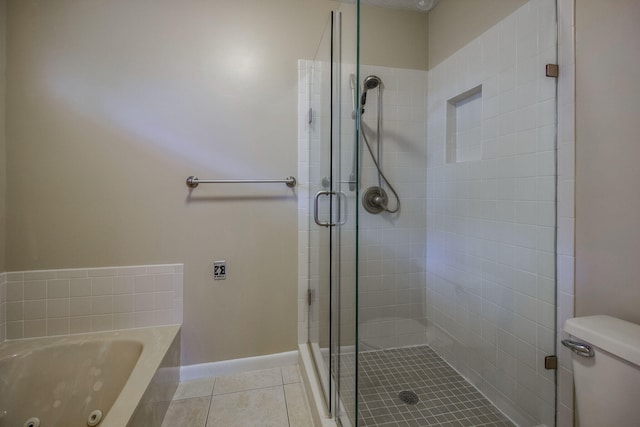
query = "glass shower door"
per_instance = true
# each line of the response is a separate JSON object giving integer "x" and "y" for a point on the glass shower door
{"x": 319, "y": 292}
{"x": 457, "y": 289}
{"x": 332, "y": 209}
{"x": 344, "y": 238}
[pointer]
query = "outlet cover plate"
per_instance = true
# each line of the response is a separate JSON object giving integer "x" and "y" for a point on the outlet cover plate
{"x": 219, "y": 270}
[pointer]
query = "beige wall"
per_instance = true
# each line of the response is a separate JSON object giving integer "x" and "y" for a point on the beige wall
{"x": 607, "y": 153}
{"x": 111, "y": 105}
{"x": 393, "y": 38}
{"x": 454, "y": 23}
{"x": 3, "y": 165}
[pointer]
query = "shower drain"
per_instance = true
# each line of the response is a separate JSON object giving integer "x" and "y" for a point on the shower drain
{"x": 408, "y": 397}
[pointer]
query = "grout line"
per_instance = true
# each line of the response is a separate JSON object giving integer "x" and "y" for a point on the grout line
{"x": 206, "y": 420}
{"x": 286, "y": 405}
{"x": 248, "y": 389}
{"x": 284, "y": 392}
{"x": 215, "y": 380}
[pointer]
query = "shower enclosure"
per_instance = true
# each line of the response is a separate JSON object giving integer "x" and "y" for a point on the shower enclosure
{"x": 430, "y": 242}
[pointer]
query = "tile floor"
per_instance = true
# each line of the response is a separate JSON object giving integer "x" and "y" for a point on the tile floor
{"x": 266, "y": 398}
{"x": 275, "y": 397}
{"x": 445, "y": 397}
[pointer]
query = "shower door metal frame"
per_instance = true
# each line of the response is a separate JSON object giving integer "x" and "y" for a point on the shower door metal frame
{"x": 336, "y": 43}
{"x": 328, "y": 195}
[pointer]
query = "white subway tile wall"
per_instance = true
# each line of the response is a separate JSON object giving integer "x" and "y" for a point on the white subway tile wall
{"x": 392, "y": 268}
{"x": 522, "y": 202}
{"x": 392, "y": 247}
{"x": 304, "y": 76}
{"x": 491, "y": 222}
{"x": 71, "y": 301}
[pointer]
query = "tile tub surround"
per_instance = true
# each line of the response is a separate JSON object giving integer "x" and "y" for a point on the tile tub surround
{"x": 157, "y": 367}
{"x": 273, "y": 397}
{"x": 71, "y": 301}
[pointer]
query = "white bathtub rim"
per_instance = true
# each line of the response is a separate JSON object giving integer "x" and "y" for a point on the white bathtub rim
{"x": 155, "y": 340}
{"x": 237, "y": 366}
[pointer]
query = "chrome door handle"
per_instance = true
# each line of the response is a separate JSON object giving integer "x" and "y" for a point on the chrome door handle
{"x": 315, "y": 208}
{"x": 579, "y": 348}
{"x": 342, "y": 198}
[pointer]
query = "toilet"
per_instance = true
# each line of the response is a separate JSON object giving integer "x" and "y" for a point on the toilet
{"x": 606, "y": 370}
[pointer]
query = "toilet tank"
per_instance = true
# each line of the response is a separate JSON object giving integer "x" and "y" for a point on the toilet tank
{"x": 607, "y": 384}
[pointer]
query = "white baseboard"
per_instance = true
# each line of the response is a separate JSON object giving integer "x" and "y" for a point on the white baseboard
{"x": 236, "y": 366}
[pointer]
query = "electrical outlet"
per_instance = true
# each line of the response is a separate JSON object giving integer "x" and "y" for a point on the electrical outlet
{"x": 219, "y": 270}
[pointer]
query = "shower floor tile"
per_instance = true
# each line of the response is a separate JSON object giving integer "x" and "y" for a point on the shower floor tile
{"x": 445, "y": 398}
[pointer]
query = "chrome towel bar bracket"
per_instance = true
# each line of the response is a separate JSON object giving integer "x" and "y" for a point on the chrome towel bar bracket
{"x": 194, "y": 181}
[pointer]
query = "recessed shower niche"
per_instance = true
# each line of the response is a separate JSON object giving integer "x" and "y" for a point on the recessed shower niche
{"x": 464, "y": 131}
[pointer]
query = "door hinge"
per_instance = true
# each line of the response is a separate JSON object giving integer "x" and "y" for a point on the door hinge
{"x": 551, "y": 362}
{"x": 552, "y": 70}
{"x": 309, "y": 296}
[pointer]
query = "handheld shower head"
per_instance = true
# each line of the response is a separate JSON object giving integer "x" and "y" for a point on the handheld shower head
{"x": 370, "y": 82}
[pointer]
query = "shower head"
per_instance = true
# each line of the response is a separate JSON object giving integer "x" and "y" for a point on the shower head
{"x": 370, "y": 82}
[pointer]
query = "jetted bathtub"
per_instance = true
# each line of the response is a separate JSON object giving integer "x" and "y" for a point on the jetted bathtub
{"x": 107, "y": 379}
